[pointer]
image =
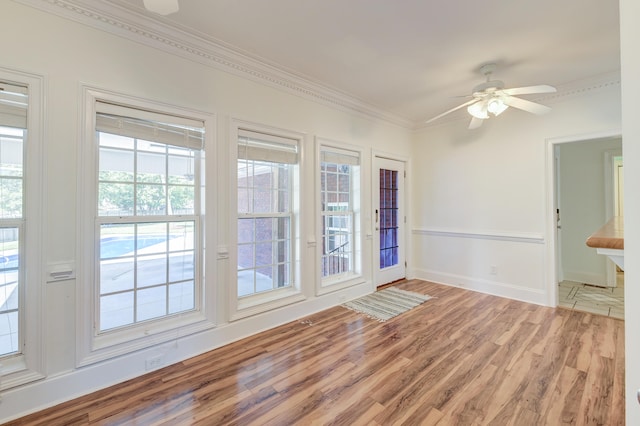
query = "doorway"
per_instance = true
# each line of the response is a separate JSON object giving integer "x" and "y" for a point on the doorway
{"x": 389, "y": 220}
{"x": 584, "y": 187}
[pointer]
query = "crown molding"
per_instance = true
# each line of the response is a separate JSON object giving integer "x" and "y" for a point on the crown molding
{"x": 137, "y": 27}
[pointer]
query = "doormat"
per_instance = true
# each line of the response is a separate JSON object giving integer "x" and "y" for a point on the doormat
{"x": 386, "y": 304}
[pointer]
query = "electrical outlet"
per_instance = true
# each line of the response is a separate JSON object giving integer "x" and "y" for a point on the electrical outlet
{"x": 493, "y": 270}
{"x": 154, "y": 362}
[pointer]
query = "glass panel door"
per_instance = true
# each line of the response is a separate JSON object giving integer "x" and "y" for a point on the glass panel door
{"x": 389, "y": 219}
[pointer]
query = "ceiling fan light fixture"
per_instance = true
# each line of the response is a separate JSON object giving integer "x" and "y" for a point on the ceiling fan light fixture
{"x": 496, "y": 106}
{"x": 492, "y": 99}
{"x": 478, "y": 110}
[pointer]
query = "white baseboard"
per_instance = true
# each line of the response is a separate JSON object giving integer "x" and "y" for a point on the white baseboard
{"x": 495, "y": 288}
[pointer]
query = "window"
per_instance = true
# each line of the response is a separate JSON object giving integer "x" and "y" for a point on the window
{"x": 148, "y": 205}
{"x": 266, "y": 167}
{"x": 339, "y": 210}
{"x": 12, "y": 224}
{"x": 20, "y": 229}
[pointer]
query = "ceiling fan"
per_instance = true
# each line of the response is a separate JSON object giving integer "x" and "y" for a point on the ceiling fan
{"x": 161, "y": 7}
{"x": 491, "y": 98}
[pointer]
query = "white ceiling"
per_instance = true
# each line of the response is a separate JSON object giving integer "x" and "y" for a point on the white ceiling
{"x": 411, "y": 58}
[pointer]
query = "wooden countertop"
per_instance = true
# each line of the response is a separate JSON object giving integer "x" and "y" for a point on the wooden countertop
{"x": 610, "y": 236}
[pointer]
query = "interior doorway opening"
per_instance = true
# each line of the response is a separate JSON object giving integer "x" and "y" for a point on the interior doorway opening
{"x": 586, "y": 188}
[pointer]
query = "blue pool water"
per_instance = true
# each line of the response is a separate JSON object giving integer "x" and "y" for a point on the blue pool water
{"x": 123, "y": 245}
{"x": 110, "y": 247}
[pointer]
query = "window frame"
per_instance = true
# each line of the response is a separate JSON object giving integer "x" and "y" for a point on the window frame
{"x": 242, "y": 307}
{"x": 356, "y": 275}
{"x": 94, "y": 345}
{"x": 29, "y": 364}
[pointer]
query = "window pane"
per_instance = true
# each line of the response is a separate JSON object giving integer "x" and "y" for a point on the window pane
{"x": 181, "y": 236}
{"x": 246, "y": 282}
{"x": 150, "y": 200}
{"x": 181, "y": 169}
{"x": 142, "y": 256}
{"x": 262, "y": 200}
{"x": 116, "y": 310}
{"x": 388, "y": 218}
{"x": 9, "y": 290}
{"x": 264, "y": 279}
{"x": 264, "y": 254}
{"x": 245, "y": 230}
{"x": 11, "y": 151}
{"x": 181, "y": 297}
{"x": 115, "y": 199}
{"x": 181, "y": 200}
{"x": 245, "y": 256}
{"x": 11, "y": 198}
{"x": 151, "y": 167}
{"x": 245, "y": 196}
{"x": 115, "y": 165}
{"x": 151, "y": 270}
{"x": 181, "y": 266}
{"x": 264, "y": 229}
{"x": 116, "y": 275}
{"x": 116, "y": 240}
{"x": 9, "y": 333}
{"x": 151, "y": 303}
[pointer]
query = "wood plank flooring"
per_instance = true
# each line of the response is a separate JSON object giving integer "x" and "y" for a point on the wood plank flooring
{"x": 461, "y": 358}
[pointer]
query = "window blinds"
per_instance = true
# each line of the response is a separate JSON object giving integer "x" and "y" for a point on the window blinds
{"x": 13, "y": 105}
{"x": 150, "y": 126}
{"x": 264, "y": 147}
{"x": 339, "y": 156}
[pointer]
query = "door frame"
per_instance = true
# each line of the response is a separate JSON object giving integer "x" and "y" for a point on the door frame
{"x": 551, "y": 270}
{"x": 375, "y": 254}
{"x": 610, "y": 188}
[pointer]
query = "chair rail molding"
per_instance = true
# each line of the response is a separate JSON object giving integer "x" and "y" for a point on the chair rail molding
{"x": 517, "y": 237}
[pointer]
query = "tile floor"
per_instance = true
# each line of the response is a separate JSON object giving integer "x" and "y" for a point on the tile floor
{"x": 608, "y": 301}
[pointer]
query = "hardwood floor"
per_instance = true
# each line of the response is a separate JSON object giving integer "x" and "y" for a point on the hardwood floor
{"x": 461, "y": 358}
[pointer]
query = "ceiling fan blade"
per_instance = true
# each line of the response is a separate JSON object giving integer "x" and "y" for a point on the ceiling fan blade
{"x": 542, "y": 88}
{"x": 475, "y": 123}
{"x": 161, "y": 7}
{"x": 525, "y": 105}
{"x": 452, "y": 110}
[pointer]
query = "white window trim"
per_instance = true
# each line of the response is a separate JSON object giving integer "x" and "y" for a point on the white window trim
{"x": 357, "y": 276}
{"x": 92, "y": 347}
{"x": 30, "y": 365}
{"x": 263, "y": 302}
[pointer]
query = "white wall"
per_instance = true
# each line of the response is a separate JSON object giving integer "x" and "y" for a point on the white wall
{"x": 68, "y": 55}
{"x": 582, "y": 207}
{"x": 480, "y": 198}
{"x": 630, "y": 65}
